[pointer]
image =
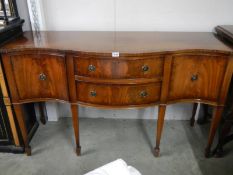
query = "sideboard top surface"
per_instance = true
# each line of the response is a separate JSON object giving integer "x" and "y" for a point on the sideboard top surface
{"x": 123, "y": 42}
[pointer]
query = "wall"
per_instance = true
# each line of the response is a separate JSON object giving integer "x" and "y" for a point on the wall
{"x": 24, "y": 14}
{"x": 162, "y": 15}
{"x": 174, "y": 112}
{"x": 146, "y": 15}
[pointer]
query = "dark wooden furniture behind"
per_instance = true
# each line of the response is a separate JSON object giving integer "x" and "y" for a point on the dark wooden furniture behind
{"x": 10, "y": 136}
{"x": 225, "y": 34}
{"x": 122, "y": 69}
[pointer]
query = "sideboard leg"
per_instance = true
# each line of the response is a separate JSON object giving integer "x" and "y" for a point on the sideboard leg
{"x": 23, "y": 129}
{"x": 205, "y": 117}
{"x": 43, "y": 112}
{"x": 74, "y": 109}
{"x": 214, "y": 124}
{"x": 160, "y": 122}
{"x": 192, "y": 120}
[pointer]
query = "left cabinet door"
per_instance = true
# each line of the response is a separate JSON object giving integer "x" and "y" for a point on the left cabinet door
{"x": 39, "y": 76}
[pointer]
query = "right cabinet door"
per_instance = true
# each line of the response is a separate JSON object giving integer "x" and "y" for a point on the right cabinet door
{"x": 196, "y": 77}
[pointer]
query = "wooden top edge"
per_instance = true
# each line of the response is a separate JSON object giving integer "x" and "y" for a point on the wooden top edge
{"x": 126, "y": 43}
{"x": 109, "y": 54}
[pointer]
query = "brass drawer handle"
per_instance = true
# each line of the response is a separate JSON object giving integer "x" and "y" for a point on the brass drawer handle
{"x": 194, "y": 77}
{"x": 91, "y": 68}
{"x": 143, "y": 94}
{"x": 42, "y": 77}
{"x": 93, "y": 93}
{"x": 145, "y": 68}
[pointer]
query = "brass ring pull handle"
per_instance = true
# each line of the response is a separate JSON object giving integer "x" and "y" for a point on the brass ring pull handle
{"x": 143, "y": 94}
{"x": 194, "y": 77}
{"x": 42, "y": 77}
{"x": 93, "y": 93}
{"x": 145, "y": 68}
{"x": 91, "y": 68}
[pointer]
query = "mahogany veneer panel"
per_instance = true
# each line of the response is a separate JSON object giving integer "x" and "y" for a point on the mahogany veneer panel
{"x": 27, "y": 69}
{"x": 209, "y": 71}
{"x": 118, "y": 95}
{"x": 126, "y": 67}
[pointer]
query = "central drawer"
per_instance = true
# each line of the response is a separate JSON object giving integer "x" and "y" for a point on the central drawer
{"x": 118, "y": 95}
{"x": 122, "y": 67}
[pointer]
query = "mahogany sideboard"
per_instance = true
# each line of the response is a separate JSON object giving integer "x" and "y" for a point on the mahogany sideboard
{"x": 118, "y": 70}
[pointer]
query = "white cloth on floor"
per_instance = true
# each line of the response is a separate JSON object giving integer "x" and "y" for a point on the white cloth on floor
{"x": 117, "y": 167}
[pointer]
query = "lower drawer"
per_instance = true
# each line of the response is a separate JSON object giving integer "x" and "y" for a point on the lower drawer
{"x": 118, "y": 95}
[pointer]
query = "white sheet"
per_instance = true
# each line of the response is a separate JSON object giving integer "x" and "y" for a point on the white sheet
{"x": 117, "y": 167}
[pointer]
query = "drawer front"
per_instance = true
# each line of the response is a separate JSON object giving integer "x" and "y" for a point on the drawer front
{"x": 39, "y": 76}
{"x": 197, "y": 77}
{"x": 99, "y": 67}
{"x": 118, "y": 95}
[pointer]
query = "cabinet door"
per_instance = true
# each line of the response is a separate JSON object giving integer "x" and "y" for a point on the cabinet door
{"x": 196, "y": 77}
{"x": 40, "y": 76}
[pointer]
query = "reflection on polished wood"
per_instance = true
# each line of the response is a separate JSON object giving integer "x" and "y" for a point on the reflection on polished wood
{"x": 123, "y": 42}
{"x": 153, "y": 68}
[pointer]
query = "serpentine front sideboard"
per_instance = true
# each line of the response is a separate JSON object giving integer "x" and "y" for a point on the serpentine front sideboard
{"x": 116, "y": 70}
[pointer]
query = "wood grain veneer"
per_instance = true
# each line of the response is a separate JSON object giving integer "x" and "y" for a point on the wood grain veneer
{"x": 118, "y": 95}
{"x": 27, "y": 69}
{"x": 124, "y": 42}
{"x": 127, "y": 67}
{"x": 208, "y": 70}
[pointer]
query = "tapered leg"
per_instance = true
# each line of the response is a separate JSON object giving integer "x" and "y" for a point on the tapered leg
{"x": 160, "y": 122}
{"x": 204, "y": 118}
{"x": 214, "y": 124}
{"x": 223, "y": 138}
{"x": 23, "y": 129}
{"x": 74, "y": 109}
{"x": 43, "y": 112}
{"x": 192, "y": 120}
